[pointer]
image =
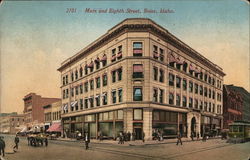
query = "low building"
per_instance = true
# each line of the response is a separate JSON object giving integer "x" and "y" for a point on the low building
{"x": 11, "y": 122}
{"x": 236, "y": 101}
{"x": 33, "y": 109}
{"x": 52, "y": 114}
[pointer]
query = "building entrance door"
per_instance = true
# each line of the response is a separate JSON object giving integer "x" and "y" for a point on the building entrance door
{"x": 138, "y": 131}
{"x": 193, "y": 126}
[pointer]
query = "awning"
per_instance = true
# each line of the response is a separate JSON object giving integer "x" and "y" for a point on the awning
{"x": 191, "y": 67}
{"x": 138, "y": 68}
{"x": 113, "y": 57}
{"x": 179, "y": 60}
{"x": 73, "y": 103}
{"x": 55, "y": 127}
{"x": 119, "y": 55}
{"x": 97, "y": 60}
{"x": 104, "y": 58}
{"x": 91, "y": 65}
{"x": 172, "y": 58}
{"x": 137, "y": 51}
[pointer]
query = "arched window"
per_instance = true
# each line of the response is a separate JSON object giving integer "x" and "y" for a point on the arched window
{"x": 81, "y": 72}
{"x": 76, "y": 74}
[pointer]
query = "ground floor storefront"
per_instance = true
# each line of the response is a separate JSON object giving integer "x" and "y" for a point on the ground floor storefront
{"x": 140, "y": 122}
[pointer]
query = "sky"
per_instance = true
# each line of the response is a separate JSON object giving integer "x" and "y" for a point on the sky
{"x": 36, "y": 36}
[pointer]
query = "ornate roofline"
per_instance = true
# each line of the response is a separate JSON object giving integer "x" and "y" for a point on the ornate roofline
{"x": 151, "y": 27}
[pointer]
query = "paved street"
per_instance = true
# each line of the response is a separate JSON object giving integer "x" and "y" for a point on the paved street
{"x": 215, "y": 149}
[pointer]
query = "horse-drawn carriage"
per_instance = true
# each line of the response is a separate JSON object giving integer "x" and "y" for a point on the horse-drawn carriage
{"x": 37, "y": 139}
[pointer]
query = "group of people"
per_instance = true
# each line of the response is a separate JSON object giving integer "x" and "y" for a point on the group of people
{"x": 127, "y": 136}
{"x": 157, "y": 135}
{"x": 34, "y": 140}
{"x": 2, "y": 145}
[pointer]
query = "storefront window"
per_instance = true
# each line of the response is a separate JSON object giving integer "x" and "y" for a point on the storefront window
{"x": 137, "y": 114}
{"x": 120, "y": 114}
{"x": 156, "y": 116}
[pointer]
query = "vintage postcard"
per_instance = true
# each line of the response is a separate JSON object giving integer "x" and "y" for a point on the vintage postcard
{"x": 124, "y": 80}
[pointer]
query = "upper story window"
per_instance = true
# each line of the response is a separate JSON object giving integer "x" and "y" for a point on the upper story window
{"x": 137, "y": 94}
{"x": 155, "y": 54}
{"x": 205, "y": 91}
{"x": 97, "y": 63}
{"x": 205, "y": 77}
{"x": 209, "y": 93}
{"x": 72, "y": 76}
{"x": 113, "y": 93}
{"x": 196, "y": 103}
{"x": 184, "y": 101}
{"x": 209, "y": 80}
{"x": 184, "y": 67}
{"x": 171, "y": 79}
{"x": 91, "y": 84}
{"x": 76, "y": 74}
{"x": 178, "y": 82}
{"x": 66, "y": 79}
{"x": 81, "y": 72}
{"x": 119, "y": 54}
{"x": 119, "y": 72}
{"x": 98, "y": 82}
{"x": 86, "y": 85}
{"x": 155, "y": 95}
{"x": 178, "y": 100}
{"x": 161, "y": 54}
{"x": 213, "y": 95}
{"x": 86, "y": 103}
{"x": 190, "y": 86}
{"x": 104, "y": 60}
{"x": 201, "y": 75}
{"x": 137, "y": 49}
{"x": 172, "y": 60}
{"x": 191, "y": 69}
{"x": 137, "y": 71}
{"x": 91, "y": 102}
{"x": 171, "y": 98}
{"x": 113, "y": 58}
{"x": 201, "y": 105}
{"x": 113, "y": 76}
{"x": 72, "y": 92}
{"x": 190, "y": 102}
{"x": 97, "y": 100}
{"x": 120, "y": 94}
{"x": 201, "y": 90}
{"x": 205, "y": 106}
{"x": 161, "y": 78}
{"x": 91, "y": 66}
{"x": 161, "y": 95}
{"x": 86, "y": 69}
{"x": 196, "y": 88}
{"x": 81, "y": 89}
{"x": 155, "y": 73}
{"x": 76, "y": 90}
{"x": 104, "y": 98}
{"x": 104, "y": 80}
{"x": 184, "y": 84}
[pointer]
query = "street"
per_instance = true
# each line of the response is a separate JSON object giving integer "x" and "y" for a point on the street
{"x": 215, "y": 149}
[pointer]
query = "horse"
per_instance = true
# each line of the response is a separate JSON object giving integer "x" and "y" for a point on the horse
{"x": 2, "y": 146}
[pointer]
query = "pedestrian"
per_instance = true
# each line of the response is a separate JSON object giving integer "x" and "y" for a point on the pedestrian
{"x": 204, "y": 138}
{"x": 101, "y": 136}
{"x": 178, "y": 138}
{"x": 192, "y": 136}
{"x": 28, "y": 139}
{"x": 87, "y": 140}
{"x": 129, "y": 136}
{"x": 198, "y": 136}
{"x": 2, "y": 146}
{"x": 46, "y": 141}
{"x": 133, "y": 136}
{"x": 16, "y": 143}
{"x": 143, "y": 137}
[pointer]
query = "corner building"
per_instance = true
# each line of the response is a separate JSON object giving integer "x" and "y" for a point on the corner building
{"x": 138, "y": 77}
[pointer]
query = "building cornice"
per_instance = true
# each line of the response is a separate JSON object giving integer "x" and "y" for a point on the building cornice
{"x": 152, "y": 28}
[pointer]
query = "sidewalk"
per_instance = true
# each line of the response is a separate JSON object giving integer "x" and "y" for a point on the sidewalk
{"x": 133, "y": 143}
